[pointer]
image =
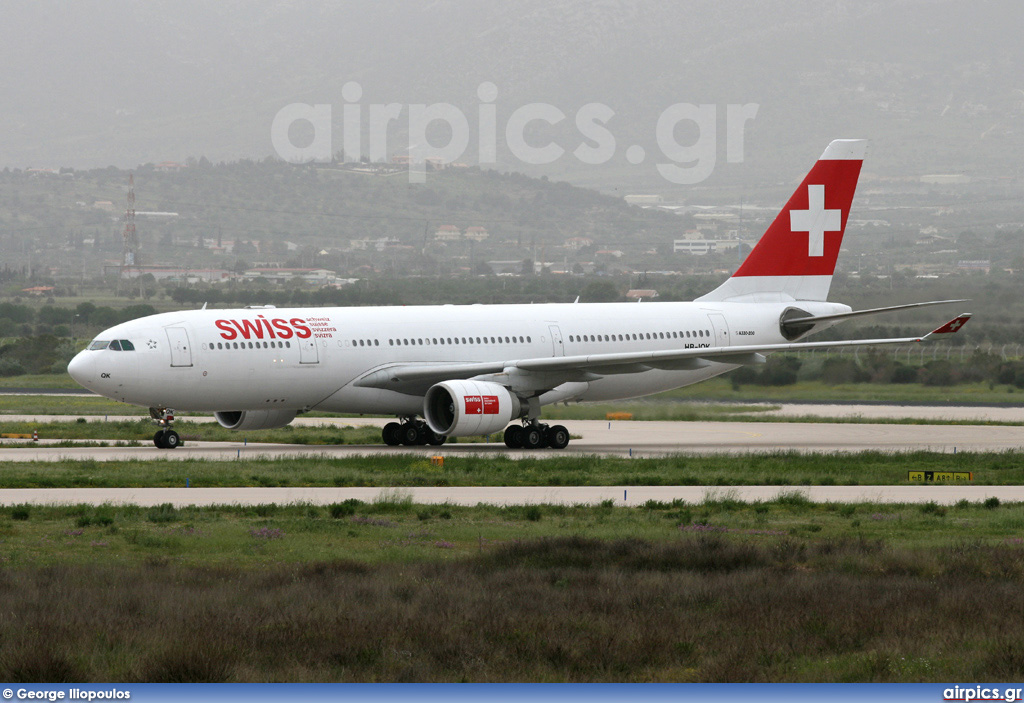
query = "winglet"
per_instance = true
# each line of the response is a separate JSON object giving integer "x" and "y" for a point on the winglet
{"x": 951, "y": 327}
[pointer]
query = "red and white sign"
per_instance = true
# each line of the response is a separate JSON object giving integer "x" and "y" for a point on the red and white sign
{"x": 481, "y": 404}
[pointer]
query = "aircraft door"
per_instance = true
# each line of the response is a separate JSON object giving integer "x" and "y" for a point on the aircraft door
{"x": 721, "y": 329}
{"x": 308, "y": 352}
{"x": 557, "y": 345}
{"x": 181, "y": 350}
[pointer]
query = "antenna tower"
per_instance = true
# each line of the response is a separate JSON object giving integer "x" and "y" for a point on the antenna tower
{"x": 130, "y": 250}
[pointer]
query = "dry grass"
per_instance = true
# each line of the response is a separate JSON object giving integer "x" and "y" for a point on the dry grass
{"x": 698, "y": 608}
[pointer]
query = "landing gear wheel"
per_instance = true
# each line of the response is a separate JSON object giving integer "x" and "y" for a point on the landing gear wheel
{"x": 514, "y": 437}
{"x": 533, "y": 438}
{"x": 434, "y": 439}
{"x": 171, "y": 440}
{"x": 165, "y": 438}
{"x": 411, "y": 435}
{"x": 392, "y": 434}
{"x": 557, "y": 437}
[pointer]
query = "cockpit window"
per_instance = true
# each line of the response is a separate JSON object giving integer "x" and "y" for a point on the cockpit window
{"x": 127, "y": 346}
{"x": 98, "y": 344}
{"x": 115, "y": 345}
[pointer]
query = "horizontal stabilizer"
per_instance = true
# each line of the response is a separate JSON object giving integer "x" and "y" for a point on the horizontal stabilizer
{"x": 799, "y": 325}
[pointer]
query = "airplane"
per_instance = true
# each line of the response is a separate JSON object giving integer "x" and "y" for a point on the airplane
{"x": 472, "y": 370}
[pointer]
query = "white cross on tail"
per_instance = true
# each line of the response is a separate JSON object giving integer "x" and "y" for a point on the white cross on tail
{"x": 815, "y": 220}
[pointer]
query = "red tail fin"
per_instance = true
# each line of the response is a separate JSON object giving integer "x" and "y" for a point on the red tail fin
{"x": 796, "y": 256}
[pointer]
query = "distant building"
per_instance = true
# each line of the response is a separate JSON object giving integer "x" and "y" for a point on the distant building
{"x": 644, "y": 293}
{"x": 977, "y": 265}
{"x": 169, "y": 166}
{"x": 161, "y": 273}
{"x": 478, "y": 234}
{"x": 447, "y": 233}
{"x": 577, "y": 243}
{"x": 694, "y": 247}
{"x": 155, "y": 214}
{"x": 379, "y": 244}
{"x": 38, "y": 290}
{"x": 644, "y": 199}
{"x": 283, "y": 275}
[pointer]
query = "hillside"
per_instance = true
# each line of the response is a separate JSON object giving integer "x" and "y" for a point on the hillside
{"x": 239, "y": 214}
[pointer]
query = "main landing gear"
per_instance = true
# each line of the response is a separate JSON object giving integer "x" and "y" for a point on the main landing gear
{"x": 411, "y": 433}
{"x": 536, "y": 436}
{"x": 165, "y": 437}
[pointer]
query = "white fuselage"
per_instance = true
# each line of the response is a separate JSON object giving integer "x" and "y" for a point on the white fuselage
{"x": 306, "y": 358}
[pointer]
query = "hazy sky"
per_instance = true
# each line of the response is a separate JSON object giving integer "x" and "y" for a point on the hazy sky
{"x": 934, "y": 84}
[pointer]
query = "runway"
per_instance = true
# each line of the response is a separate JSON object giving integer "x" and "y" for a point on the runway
{"x": 500, "y": 495}
{"x": 594, "y": 437}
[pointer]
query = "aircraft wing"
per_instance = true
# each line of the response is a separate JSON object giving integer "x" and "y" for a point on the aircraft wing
{"x": 416, "y": 378}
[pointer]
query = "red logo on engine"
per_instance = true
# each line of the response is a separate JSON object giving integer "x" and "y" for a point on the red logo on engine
{"x": 481, "y": 404}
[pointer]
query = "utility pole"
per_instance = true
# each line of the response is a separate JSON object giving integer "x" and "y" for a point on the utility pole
{"x": 130, "y": 247}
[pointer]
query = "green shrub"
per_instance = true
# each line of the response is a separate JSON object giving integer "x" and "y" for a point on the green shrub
{"x": 163, "y": 513}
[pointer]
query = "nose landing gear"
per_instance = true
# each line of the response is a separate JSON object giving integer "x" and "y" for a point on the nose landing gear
{"x": 165, "y": 437}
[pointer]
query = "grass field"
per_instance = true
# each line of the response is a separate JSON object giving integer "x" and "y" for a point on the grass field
{"x": 391, "y": 591}
{"x": 408, "y": 470}
{"x": 721, "y": 590}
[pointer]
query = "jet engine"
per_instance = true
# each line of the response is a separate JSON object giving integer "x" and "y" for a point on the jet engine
{"x": 254, "y": 419}
{"x": 462, "y": 408}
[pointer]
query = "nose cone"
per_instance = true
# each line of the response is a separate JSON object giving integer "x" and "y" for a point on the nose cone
{"x": 83, "y": 369}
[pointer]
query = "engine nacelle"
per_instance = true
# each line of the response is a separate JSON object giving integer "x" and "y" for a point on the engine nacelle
{"x": 463, "y": 408}
{"x": 254, "y": 419}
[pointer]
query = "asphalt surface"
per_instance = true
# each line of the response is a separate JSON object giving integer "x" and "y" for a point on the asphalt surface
{"x": 497, "y": 495}
{"x": 596, "y": 437}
